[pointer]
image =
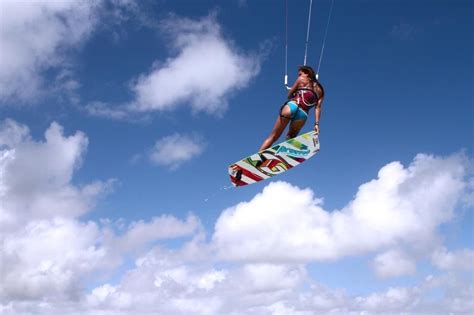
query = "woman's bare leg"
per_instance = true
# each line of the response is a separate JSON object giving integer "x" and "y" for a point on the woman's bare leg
{"x": 278, "y": 128}
{"x": 295, "y": 128}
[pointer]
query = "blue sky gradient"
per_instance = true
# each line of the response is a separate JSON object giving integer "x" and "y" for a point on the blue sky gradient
{"x": 111, "y": 82}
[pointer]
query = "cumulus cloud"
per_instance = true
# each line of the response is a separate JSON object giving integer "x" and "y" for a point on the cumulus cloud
{"x": 55, "y": 263}
{"x": 394, "y": 263}
{"x": 48, "y": 258}
{"x": 403, "y": 206}
{"x": 35, "y": 37}
{"x": 394, "y": 299}
{"x": 140, "y": 233}
{"x": 38, "y": 40}
{"x": 161, "y": 283}
{"x": 174, "y": 150}
{"x": 52, "y": 260}
{"x": 36, "y": 176}
{"x": 48, "y": 253}
{"x": 454, "y": 260}
{"x": 44, "y": 249}
{"x": 205, "y": 68}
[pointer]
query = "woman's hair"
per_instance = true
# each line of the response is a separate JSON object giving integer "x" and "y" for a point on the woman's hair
{"x": 309, "y": 71}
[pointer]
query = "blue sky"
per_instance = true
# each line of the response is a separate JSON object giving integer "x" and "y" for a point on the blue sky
{"x": 119, "y": 119}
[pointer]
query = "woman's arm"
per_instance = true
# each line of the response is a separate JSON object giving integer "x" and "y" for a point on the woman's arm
{"x": 317, "y": 111}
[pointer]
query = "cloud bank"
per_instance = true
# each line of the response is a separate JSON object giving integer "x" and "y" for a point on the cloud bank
{"x": 402, "y": 207}
{"x": 47, "y": 251}
{"x": 256, "y": 260}
{"x": 39, "y": 40}
{"x": 36, "y": 175}
{"x": 36, "y": 36}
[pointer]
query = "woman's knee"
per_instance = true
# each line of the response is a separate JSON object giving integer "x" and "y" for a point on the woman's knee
{"x": 291, "y": 135}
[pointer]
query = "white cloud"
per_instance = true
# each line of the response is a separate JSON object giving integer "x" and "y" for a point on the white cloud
{"x": 35, "y": 36}
{"x": 174, "y": 150}
{"x": 11, "y": 133}
{"x": 52, "y": 260}
{"x": 322, "y": 299}
{"x": 39, "y": 38}
{"x": 403, "y": 206}
{"x": 257, "y": 278}
{"x": 468, "y": 199}
{"x": 49, "y": 258}
{"x": 205, "y": 69}
{"x": 47, "y": 253}
{"x": 101, "y": 109}
{"x": 36, "y": 176}
{"x": 394, "y": 263}
{"x": 141, "y": 233}
{"x": 454, "y": 260}
{"x": 164, "y": 283}
{"x": 53, "y": 263}
{"x": 392, "y": 300}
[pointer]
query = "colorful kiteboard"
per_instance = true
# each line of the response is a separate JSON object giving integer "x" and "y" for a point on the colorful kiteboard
{"x": 274, "y": 160}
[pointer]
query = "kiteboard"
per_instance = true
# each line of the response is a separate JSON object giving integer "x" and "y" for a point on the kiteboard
{"x": 274, "y": 160}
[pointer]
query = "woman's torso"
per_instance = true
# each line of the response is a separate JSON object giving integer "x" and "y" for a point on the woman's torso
{"x": 306, "y": 96}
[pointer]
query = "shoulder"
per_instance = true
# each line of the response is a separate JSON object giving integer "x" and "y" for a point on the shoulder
{"x": 317, "y": 84}
{"x": 318, "y": 87}
{"x": 299, "y": 81}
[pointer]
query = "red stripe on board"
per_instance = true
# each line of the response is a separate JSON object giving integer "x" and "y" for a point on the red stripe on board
{"x": 236, "y": 168}
{"x": 251, "y": 175}
{"x": 237, "y": 182}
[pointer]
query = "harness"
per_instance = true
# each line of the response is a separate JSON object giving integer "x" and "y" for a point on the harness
{"x": 305, "y": 98}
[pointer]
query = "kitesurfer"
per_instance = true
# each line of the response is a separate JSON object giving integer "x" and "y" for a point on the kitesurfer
{"x": 305, "y": 93}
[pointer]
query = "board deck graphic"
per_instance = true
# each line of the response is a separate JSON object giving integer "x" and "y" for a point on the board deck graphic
{"x": 274, "y": 160}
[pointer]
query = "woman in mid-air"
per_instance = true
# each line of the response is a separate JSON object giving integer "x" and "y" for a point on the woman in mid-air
{"x": 305, "y": 93}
